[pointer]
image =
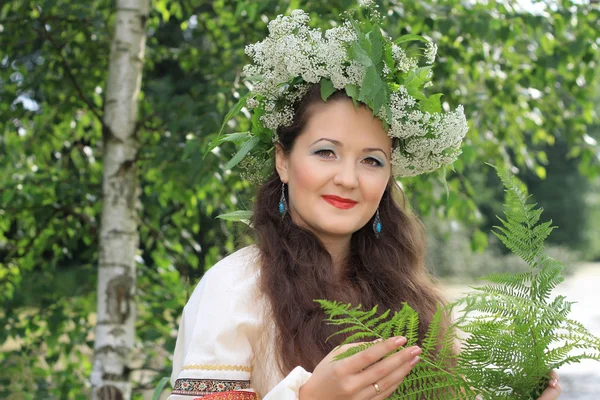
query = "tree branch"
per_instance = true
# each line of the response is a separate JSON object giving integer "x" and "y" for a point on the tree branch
{"x": 47, "y": 35}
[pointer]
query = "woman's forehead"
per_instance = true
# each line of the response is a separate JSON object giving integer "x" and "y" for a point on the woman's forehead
{"x": 341, "y": 121}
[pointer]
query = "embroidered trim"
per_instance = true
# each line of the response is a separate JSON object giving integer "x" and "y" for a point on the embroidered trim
{"x": 208, "y": 367}
{"x": 230, "y": 396}
{"x": 203, "y": 387}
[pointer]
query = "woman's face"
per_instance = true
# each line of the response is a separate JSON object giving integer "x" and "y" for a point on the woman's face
{"x": 337, "y": 170}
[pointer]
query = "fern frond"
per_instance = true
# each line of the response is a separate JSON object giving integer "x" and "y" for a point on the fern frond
{"x": 519, "y": 281}
{"x": 356, "y": 320}
{"x": 513, "y": 332}
{"x": 503, "y": 290}
{"x": 549, "y": 276}
{"x": 360, "y": 336}
{"x": 434, "y": 334}
{"x": 353, "y": 350}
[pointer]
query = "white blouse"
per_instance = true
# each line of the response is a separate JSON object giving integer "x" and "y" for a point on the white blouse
{"x": 226, "y": 337}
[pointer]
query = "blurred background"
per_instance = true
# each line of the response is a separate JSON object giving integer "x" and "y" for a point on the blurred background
{"x": 526, "y": 73}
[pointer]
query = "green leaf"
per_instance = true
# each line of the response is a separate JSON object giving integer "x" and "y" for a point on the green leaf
{"x": 159, "y": 388}
{"x": 418, "y": 78}
{"x": 369, "y": 85}
{"x": 431, "y": 104}
{"x": 237, "y": 216}
{"x": 245, "y": 149}
{"x": 359, "y": 54}
{"x": 381, "y": 98}
{"x": 416, "y": 93}
{"x": 376, "y": 40}
{"x": 479, "y": 241}
{"x": 411, "y": 37}
{"x": 236, "y": 137}
{"x": 327, "y": 88}
{"x": 352, "y": 92}
{"x": 233, "y": 112}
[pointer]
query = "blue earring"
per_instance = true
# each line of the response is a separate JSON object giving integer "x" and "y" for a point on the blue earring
{"x": 377, "y": 224}
{"x": 283, "y": 207}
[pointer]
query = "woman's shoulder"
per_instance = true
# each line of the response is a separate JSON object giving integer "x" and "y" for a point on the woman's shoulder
{"x": 231, "y": 280}
{"x": 222, "y": 320}
{"x": 243, "y": 264}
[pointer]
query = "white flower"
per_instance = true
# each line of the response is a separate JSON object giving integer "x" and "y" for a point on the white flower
{"x": 343, "y": 33}
{"x": 293, "y": 50}
{"x": 300, "y": 17}
{"x": 403, "y": 62}
{"x": 430, "y": 52}
{"x": 439, "y": 146}
{"x": 386, "y": 70}
{"x": 283, "y": 117}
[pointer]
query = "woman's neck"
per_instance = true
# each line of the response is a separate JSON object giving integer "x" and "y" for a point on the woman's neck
{"x": 338, "y": 248}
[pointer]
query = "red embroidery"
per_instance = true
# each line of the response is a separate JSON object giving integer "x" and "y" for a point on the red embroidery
{"x": 230, "y": 396}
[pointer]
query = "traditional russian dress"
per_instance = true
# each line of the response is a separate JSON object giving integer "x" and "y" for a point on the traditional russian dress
{"x": 225, "y": 345}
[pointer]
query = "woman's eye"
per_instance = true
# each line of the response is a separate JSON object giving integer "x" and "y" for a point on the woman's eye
{"x": 325, "y": 153}
{"x": 373, "y": 162}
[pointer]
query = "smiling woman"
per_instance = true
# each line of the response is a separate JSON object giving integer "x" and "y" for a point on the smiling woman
{"x": 324, "y": 248}
{"x": 337, "y": 169}
{"x": 329, "y": 222}
{"x": 343, "y": 234}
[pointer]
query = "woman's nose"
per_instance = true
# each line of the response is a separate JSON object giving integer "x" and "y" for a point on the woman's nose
{"x": 346, "y": 176}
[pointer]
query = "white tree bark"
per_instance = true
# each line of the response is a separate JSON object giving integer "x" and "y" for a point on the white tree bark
{"x": 118, "y": 239}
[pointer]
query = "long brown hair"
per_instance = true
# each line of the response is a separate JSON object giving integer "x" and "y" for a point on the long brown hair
{"x": 296, "y": 268}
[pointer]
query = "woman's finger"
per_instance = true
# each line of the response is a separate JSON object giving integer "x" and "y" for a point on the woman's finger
{"x": 388, "y": 373}
{"x": 365, "y": 358}
{"x": 382, "y": 369}
{"x": 551, "y": 393}
{"x": 553, "y": 390}
{"x": 394, "y": 379}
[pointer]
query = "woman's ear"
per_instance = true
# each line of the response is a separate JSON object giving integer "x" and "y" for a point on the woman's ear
{"x": 281, "y": 163}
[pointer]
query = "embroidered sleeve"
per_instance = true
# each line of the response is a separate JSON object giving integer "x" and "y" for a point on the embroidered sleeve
{"x": 232, "y": 396}
{"x": 205, "y": 387}
{"x": 214, "y": 351}
{"x": 213, "y": 354}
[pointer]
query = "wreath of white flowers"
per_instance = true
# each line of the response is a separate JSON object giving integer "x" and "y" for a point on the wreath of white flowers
{"x": 372, "y": 69}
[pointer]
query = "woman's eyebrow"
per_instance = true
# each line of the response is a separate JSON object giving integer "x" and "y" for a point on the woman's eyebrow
{"x": 338, "y": 143}
{"x": 375, "y": 149}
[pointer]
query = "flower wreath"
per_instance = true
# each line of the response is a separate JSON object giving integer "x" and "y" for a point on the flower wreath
{"x": 372, "y": 69}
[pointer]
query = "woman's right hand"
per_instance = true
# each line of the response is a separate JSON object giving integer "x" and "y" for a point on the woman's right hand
{"x": 354, "y": 378}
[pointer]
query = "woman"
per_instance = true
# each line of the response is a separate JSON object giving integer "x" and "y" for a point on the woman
{"x": 252, "y": 310}
{"x": 330, "y": 223}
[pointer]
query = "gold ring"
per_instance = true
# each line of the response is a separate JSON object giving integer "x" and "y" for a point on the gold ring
{"x": 376, "y": 386}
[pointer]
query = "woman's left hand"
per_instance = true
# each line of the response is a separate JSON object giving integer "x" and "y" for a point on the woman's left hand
{"x": 553, "y": 390}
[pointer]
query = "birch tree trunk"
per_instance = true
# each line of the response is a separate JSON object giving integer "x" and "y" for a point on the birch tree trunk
{"x": 118, "y": 241}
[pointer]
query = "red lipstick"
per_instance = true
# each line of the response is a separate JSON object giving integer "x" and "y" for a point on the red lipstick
{"x": 340, "y": 202}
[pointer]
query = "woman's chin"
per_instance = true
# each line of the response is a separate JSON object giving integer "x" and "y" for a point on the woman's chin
{"x": 338, "y": 230}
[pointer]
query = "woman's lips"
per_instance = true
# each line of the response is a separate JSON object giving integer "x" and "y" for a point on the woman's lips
{"x": 340, "y": 202}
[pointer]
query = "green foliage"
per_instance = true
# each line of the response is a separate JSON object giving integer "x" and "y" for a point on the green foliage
{"x": 51, "y": 101}
{"x": 435, "y": 376}
{"x": 516, "y": 333}
{"x": 159, "y": 388}
{"x": 239, "y": 215}
{"x": 571, "y": 211}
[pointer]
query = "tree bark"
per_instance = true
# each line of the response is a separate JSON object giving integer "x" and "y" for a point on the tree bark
{"x": 118, "y": 236}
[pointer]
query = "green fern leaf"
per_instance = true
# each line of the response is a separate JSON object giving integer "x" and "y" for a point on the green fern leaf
{"x": 513, "y": 331}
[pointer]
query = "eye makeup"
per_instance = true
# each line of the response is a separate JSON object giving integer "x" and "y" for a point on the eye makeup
{"x": 324, "y": 153}
{"x": 321, "y": 152}
{"x": 379, "y": 162}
